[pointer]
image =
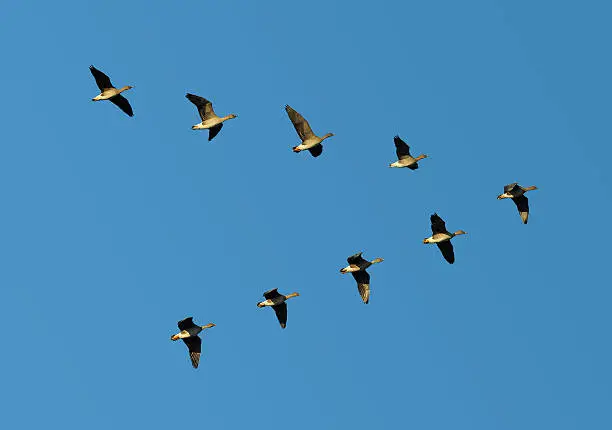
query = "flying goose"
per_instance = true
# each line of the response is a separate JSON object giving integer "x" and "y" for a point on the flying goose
{"x": 310, "y": 141}
{"x": 442, "y": 237}
{"x": 357, "y": 267}
{"x": 210, "y": 120}
{"x": 109, "y": 92}
{"x": 277, "y": 301}
{"x": 189, "y": 333}
{"x": 404, "y": 159}
{"x": 517, "y": 194}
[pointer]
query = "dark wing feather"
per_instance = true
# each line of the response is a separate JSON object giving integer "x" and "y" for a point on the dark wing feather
{"x": 122, "y": 103}
{"x": 363, "y": 284}
{"x": 213, "y": 131}
{"x": 102, "y": 80}
{"x": 281, "y": 313}
{"x": 413, "y": 166}
{"x": 522, "y": 204}
{"x": 401, "y": 148}
{"x": 194, "y": 344}
{"x": 446, "y": 248}
{"x": 316, "y": 150}
{"x": 204, "y": 106}
{"x": 437, "y": 224}
{"x": 508, "y": 188}
{"x": 271, "y": 294}
{"x": 186, "y": 324}
{"x": 356, "y": 259}
{"x": 301, "y": 125}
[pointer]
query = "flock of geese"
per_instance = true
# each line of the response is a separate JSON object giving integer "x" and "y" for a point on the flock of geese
{"x": 357, "y": 265}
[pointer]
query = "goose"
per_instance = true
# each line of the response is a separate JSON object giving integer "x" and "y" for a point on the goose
{"x": 210, "y": 120}
{"x": 442, "y": 237}
{"x": 109, "y": 92}
{"x": 517, "y": 194}
{"x": 189, "y": 333}
{"x": 357, "y": 267}
{"x": 277, "y": 301}
{"x": 310, "y": 141}
{"x": 404, "y": 159}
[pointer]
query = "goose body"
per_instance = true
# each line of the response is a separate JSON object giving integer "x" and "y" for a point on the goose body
{"x": 442, "y": 238}
{"x": 277, "y": 302}
{"x": 404, "y": 159}
{"x": 310, "y": 141}
{"x": 189, "y": 333}
{"x": 357, "y": 267}
{"x": 517, "y": 193}
{"x": 109, "y": 92}
{"x": 210, "y": 120}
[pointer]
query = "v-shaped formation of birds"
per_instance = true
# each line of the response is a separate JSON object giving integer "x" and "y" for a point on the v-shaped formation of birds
{"x": 357, "y": 265}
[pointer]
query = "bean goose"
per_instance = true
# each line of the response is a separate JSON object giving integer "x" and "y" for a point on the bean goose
{"x": 277, "y": 301}
{"x": 442, "y": 237}
{"x": 189, "y": 333}
{"x": 310, "y": 141}
{"x": 210, "y": 120}
{"x": 109, "y": 92}
{"x": 357, "y": 267}
{"x": 517, "y": 194}
{"x": 404, "y": 159}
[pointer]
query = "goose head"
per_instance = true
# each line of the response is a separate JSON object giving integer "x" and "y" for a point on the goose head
{"x": 459, "y": 232}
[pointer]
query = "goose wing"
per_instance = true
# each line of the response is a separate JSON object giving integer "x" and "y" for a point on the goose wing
{"x": 186, "y": 324}
{"x": 281, "y": 313}
{"x": 363, "y": 284}
{"x": 213, "y": 131}
{"x": 446, "y": 248}
{"x": 522, "y": 204}
{"x": 102, "y": 80}
{"x": 356, "y": 259}
{"x": 204, "y": 106}
{"x": 194, "y": 344}
{"x": 510, "y": 187}
{"x": 316, "y": 150}
{"x": 401, "y": 148}
{"x": 301, "y": 125}
{"x": 437, "y": 224}
{"x": 271, "y": 294}
{"x": 122, "y": 103}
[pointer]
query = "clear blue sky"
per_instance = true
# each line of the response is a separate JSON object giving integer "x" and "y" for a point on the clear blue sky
{"x": 114, "y": 228}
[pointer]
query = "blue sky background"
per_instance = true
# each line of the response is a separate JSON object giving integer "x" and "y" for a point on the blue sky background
{"x": 115, "y": 228}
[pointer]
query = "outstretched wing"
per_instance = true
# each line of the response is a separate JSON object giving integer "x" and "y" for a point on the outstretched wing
{"x": 356, "y": 259}
{"x": 186, "y": 324}
{"x": 301, "y": 125}
{"x": 213, "y": 131}
{"x": 281, "y": 313}
{"x": 363, "y": 284}
{"x": 401, "y": 148}
{"x": 522, "y": 204}
{"x": 316, "y": 150}
{"x": 102, "y": 80}
{"x": 194, "y": 344}
{"x": 122, "y": 103}
{"x": 510, "y": 187}
{"x": 446, "y": 248}
{"x": 271, "y": 294}
{"x": 204, "y": 106}
{"x": 437, "y": 224}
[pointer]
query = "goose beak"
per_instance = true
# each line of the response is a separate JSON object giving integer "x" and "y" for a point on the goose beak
{"x": 296, "y": 149}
